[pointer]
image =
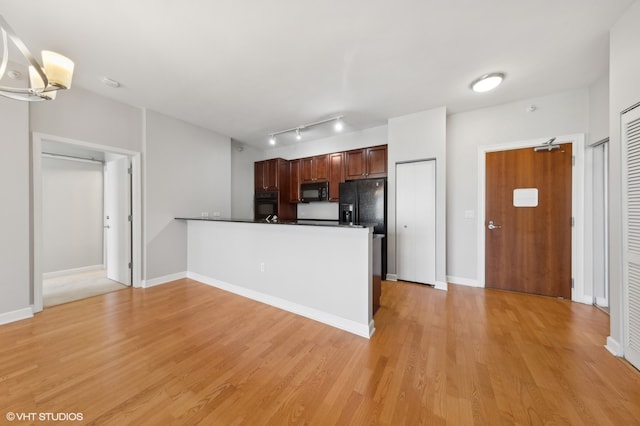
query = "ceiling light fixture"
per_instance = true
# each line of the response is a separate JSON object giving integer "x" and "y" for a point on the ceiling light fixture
{"x": 44, "y": 81}
{"x": 487, "y": 82}
{"x": 337, "y": 127}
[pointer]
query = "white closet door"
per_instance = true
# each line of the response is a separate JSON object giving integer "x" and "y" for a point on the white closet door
{"x": 415, "y": 221}
{"x": 117, "y": 224}
{"x": 631, "y": 234}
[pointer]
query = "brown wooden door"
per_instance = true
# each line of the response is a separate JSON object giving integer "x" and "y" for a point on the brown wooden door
{"x": 529, "y": 250}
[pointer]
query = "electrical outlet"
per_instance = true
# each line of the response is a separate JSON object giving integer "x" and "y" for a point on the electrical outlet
{"x": 261, "y": 266}
{"x": 216, "y": 214}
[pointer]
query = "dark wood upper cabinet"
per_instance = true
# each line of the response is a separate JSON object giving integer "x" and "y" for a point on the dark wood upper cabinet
{"x": 314, "y": 169}
{"x": 336, "y": 175}
{"x": 268, "y": 173}
{"x": 366, "y": 163}
{"x": 294, "y": 181}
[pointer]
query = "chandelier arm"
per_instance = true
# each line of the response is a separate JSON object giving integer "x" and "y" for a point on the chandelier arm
{"x": 5, "y": 53}
{"x": 24, "y": 50}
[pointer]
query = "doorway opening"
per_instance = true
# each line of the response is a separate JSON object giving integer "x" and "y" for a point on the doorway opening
{"x": 86, "y": 215}
{"x": 579, "y": 292}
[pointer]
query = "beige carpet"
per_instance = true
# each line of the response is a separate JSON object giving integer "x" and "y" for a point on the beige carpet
{"x": 68, "y": 288}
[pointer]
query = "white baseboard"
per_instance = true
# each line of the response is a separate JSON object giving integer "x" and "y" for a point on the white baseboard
{"x": 55, "y": 274}
{"x": 439, "y": 285}
{"x": 614, "y": 347}
{"x": 602, "y": 302}
{"x": 163, "y": 280}
{"x": 464, "y": 281}
{"x": 363, "y": 330}
{"x": 587, "y": 300}
{"x": 13, "y": 316}
{"x": 392, "y": 277}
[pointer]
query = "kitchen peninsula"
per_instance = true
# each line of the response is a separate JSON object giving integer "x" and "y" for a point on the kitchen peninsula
{"x": 323, "y": 271}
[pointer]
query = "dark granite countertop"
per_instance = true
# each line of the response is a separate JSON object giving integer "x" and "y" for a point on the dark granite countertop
{"x": 300, "y": 222}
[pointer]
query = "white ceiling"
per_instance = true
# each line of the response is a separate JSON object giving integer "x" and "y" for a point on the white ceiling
{"x": 246, "y": 68}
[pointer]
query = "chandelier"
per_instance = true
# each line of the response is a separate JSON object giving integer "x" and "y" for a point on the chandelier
{"x": 44, "y": 81}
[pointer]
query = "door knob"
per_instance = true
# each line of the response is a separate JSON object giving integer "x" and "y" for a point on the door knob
{"x": 492, "y": 226}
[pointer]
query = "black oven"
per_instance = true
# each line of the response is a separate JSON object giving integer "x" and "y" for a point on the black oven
{"x": 265, "y": 205}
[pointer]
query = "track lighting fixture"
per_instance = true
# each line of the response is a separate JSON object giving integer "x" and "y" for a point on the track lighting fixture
{"x": 338, "y": 126}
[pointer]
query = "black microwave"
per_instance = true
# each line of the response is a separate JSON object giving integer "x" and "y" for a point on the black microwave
{"x": 315, "y": 191}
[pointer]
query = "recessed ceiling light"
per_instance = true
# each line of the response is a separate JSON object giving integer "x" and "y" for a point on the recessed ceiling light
{"x": 272, "y": 140}
{"x": 109, "y": 82}
{"x": 487, "y": 82}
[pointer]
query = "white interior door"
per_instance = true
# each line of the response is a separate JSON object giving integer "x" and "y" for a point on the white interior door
{"x": 631, "y": 234}
{"x": 117, "y": 218}
{"x": 416, "y": 221}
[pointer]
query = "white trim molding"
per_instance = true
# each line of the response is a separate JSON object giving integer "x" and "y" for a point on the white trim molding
{"x": 392, "y": 277}
{"x": 614, "y": 347}
{"x": 13, "y": 316}
{"x": 164, "y": 279}
{"x": 314, "y": 314}
{"x": 464, "y": 281}
{"x": 73, "y": 271}
{"x": 440, "y": 285}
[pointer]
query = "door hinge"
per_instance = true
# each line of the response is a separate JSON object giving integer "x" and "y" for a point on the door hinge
{"x": 573, "y": 160}
{"x": 572, "y": 283}
{"x": 131, "y": 265}
{"x": 130, "y": 170}
{"x": 129, "y": 218}
{"x": 573, "y": 221}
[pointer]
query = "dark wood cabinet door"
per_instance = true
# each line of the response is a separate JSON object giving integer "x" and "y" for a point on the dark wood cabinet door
{"x": 377, "y": 161}
{"x": 306, "y": 169}
{"x": 336, "y": 175}
{"x": 271, "y": 175}
{"x": 321, "y": 168}
{"x": 258, "y": 175}
{"x": 294, "y": 181}
{"x": 355, "y": 164}
{"x": 314, "y": 169}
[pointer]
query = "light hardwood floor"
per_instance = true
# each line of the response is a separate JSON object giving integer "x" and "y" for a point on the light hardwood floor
{"x": 185, "y": 353}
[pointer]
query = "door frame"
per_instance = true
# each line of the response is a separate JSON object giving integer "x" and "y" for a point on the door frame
{"x": 36, "y": 200}
{"x": 581, "y": 288}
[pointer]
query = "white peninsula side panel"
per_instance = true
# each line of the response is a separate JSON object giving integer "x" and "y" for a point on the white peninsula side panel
{"x": 320, "y": 272}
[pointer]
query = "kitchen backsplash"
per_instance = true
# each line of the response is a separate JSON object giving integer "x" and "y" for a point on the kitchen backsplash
{"x": 318, "y": 210}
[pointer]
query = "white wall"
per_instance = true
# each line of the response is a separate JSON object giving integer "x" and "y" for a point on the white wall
{"x": 15, "y": 294}
{"x": 188, "y": 171}
{"x": 624, "y": 92}
{"x": 412, "y": 137}
{"x": 339, "y": 142}
{"x": 264, "y": 262}
{"x": 82, "y": 115}
{"x": 72, "y": 210}
{"x": 242, "y": 182}
{"x": 599, "y": 109}
{"x": 557, "y": 114}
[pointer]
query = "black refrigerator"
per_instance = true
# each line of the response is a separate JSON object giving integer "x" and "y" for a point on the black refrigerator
{"x": 364, "y": 202}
